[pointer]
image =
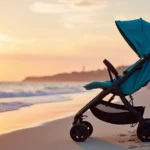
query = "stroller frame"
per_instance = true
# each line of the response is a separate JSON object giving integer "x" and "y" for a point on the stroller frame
{"x": 86, "y": 128}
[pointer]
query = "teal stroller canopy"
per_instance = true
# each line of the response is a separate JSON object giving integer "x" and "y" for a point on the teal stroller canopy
{"x": 137, "y": 35}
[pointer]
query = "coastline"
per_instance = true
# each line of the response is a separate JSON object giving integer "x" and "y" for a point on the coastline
{"x": 54, "y": 133}
{"x": 39, "y": 114}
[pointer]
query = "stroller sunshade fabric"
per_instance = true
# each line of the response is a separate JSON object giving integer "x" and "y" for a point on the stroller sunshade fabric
{"x": 137, "y": 80}
{"x": 137, "y": 35}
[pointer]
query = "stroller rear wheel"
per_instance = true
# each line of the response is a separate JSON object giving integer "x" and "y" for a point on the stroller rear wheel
{"x": 79, "y": 132}
{"x": 89, "y": 127}
{"x": 143, "y": 130}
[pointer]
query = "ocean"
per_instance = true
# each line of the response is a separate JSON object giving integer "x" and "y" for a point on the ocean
{"x": 14, "y": 95}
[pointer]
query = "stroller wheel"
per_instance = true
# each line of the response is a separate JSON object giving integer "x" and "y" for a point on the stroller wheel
{"x": 89, "y": 127}
{"x": 143, "y": 130}
{"x": 79, "y": 132}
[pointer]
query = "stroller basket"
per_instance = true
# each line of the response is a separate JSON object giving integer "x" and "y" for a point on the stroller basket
{"x": 115, "y": 113}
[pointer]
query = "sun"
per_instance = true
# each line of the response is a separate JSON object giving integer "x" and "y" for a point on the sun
{"x": 3, "y": 37}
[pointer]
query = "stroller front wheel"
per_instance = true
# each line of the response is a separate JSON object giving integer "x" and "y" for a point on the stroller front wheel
{"x": 89, "y": 127}
{"x": 143, "y": 130}
{"x": 79, "y": 132}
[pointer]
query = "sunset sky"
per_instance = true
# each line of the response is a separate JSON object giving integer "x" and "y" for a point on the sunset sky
{"x": 51, "y": 36}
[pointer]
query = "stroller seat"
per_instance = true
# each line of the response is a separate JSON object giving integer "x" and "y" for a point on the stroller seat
{"x": 95, "y": 85}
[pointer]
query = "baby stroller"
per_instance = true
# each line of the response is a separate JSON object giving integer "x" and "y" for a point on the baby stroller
{"x": 137, "y": 35}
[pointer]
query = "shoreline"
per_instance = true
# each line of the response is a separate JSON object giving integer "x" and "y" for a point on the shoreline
{"x": 54, "y": 134}
{"x": 39, "y": 114}
{"x": 39, "y": 121}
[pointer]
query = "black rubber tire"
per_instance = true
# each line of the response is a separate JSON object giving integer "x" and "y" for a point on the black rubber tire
{"x": 143, "y": 130}
{"x": 79, "y": 132}
{"x": 89, "y": 127}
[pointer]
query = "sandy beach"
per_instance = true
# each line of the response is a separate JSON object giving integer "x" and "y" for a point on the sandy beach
{"x": 54, "y": 135}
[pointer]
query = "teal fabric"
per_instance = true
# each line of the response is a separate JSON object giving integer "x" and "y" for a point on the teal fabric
{"x": 137, "y": 34}
{"x": 137, "y": 80}
{"x": 95, "y": 85}
{"x": 132, "y": 66}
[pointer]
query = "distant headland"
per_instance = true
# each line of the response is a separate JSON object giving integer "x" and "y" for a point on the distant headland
{"x": 82, "y": 76}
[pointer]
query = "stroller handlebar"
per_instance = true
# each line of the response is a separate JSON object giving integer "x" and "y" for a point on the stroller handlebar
{"x": 111, "y": 68}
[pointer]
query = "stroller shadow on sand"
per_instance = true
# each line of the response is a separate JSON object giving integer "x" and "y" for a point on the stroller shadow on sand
{"x": 98, "y": 144}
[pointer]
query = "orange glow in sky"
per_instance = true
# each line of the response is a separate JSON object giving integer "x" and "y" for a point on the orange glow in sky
{"x": 52, "y": 36}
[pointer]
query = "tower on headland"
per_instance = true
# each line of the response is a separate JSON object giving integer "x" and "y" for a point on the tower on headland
{"x": 83, "y": 68}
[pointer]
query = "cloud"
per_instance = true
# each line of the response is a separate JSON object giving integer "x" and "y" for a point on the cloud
{"x": 86, "y": 3}
{"x": 61, "y": 6}
{"x": 91, "y": 3}
{"x": 4, "y": 38}
{"x": 41, "y": 7}
{"x": 73, "y": 13}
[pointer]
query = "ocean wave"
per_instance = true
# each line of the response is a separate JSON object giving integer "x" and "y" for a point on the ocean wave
{"x": 19, "y": 103}
{"x": 14, "y": 96}
{"x": 39, "y": 92}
